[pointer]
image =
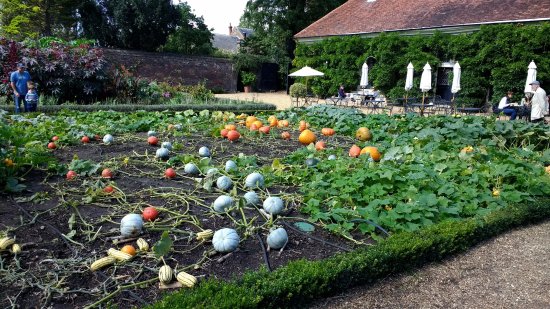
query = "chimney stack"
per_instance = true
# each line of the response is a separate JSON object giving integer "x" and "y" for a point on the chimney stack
{"x": 230, "y": 29}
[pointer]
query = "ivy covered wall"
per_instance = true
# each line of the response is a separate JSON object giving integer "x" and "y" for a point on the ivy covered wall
{"x": 493, "y": 60}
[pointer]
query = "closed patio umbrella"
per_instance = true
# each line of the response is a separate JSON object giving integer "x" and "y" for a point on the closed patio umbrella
{"x": 409, "y": 81}
{"x": 364, "y": 76}
{"x": 456, "y": 81}
{"x": 425, "y": 84}
{"x": 531, "y": 76}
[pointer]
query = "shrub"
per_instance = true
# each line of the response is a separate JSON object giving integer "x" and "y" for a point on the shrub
{"x": 298, "y": 90}
{"x": 248, "y": 78}
{"x": 70, "y": 72}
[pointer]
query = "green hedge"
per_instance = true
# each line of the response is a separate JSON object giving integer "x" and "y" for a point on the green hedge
{"x": 303, "y": 281}
{"x": 255, "y": 107}
{"x": 493, "y": 60}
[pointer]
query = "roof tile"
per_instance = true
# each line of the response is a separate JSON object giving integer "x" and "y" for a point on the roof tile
{"x": 361, "y": 16}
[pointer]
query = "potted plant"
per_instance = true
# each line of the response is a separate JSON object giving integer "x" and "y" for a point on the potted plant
{"x": 248, "y": 79}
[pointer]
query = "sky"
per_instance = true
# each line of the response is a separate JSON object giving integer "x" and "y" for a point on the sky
{"x": 218, "y": 14}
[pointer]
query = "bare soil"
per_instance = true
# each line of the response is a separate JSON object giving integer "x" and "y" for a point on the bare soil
{"x": 53, "y": 269}
{"x": 509, "y": 271}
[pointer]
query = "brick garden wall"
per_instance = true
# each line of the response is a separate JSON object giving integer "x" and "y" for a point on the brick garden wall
{"x": 173, "y": 68}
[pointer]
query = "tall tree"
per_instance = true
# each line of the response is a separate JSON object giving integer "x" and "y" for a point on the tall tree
{"x": 275, "y": 22}
{"x": 21, "y": 19}
{"x": 192, "y": 36}
{"x": 133, "y": 24}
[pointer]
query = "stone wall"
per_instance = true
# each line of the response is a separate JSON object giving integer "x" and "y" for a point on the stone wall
{"x": 218, "y": 73}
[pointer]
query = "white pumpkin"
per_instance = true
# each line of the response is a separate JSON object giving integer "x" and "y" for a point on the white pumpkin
{"x": 177, "y": 126}
{"x": 273, "y": 205}
{"x": 222, "y": 203}
{"x": 254, "y": 180}
{"x": 131, "y": 225}
{"x": 230, "y": 166}
{"x": 212, "y": 171}
{"x": 332, "y": 157}
{"x": 252, "y": 198}
{"x": 204, "y": 152}
{"x": 191, "y": 169}
{"x": 277, "y": 238}
{"x": 162, "y": 153}
{"x": 108, "y": 139}
{"x": 151, "y": 133}
{"x": 166, "y": 145}
{"x": 225, "y": 240}
{"x": 224, "y": 183}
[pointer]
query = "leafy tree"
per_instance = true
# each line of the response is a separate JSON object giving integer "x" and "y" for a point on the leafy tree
{"x": 132, "y": 24}
{"x": 16, "y": 19}
{"x": 276, "y": 22}
{"x": 33, "y": 18}
{"x": 192, "y": 36}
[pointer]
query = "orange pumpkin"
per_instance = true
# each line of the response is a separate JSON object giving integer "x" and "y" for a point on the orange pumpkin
{"x": 129, "y": 249}
{"x": 363, "y": 134}
{"x": 320, "y": 145}
{"x": 253, "y": 127}
{"x": 373, "y": 152}
{"x": 230, "y": 127}
{"x": 250, "y": 120}
{"x": 354, "y": 151}
{"x": 307, "y": 137}
{"x": 285, "y": 135}
{"x": 283, "y": 124}
{"x": 224, "y": 132}
{"x": 273, "y": 122}
{"x": 303, "y": 125}
{"x": 233, "y": 135}
{"x": 264, "y": 129}
{"x": 258, "y": 123}
{"x": 327, "y": 131}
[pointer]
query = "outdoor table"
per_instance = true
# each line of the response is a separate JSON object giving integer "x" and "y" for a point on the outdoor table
{"x": 373, "y": 105}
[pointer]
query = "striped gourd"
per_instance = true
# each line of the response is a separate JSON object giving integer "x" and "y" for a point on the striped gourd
{"x": 106, "y": 261}
{"x": 6, "y": 242}
{"x": 205, "y": 235}
{"x": 166, "y": 274}
{"x": 119, "y": 255}
{"x": 186, "y": 279}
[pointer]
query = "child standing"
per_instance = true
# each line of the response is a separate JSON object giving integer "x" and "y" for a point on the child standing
{"x": 31, "y": 98}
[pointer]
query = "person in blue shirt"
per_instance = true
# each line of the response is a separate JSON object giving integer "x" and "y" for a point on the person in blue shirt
{"x": 19, "y": 81}
{"x": 31, "y": 98}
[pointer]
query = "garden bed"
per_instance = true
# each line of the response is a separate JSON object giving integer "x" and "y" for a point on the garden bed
{"x": 66, "y": 225}
{"x": 438, "y": 188}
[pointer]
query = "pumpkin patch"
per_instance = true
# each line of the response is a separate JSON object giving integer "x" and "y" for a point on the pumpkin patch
{"x": 218, "y": 201}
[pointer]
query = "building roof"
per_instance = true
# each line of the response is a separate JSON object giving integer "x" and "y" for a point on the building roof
{"x": 368, "y": 16}
{"x": 226, "y": 42}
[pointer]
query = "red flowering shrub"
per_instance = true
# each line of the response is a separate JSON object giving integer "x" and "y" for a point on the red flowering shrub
{"x": 71, "y": 73}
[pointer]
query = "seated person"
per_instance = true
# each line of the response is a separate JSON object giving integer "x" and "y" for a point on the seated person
{"x": 504, "y": 106}
{"x": 341, "y": 92}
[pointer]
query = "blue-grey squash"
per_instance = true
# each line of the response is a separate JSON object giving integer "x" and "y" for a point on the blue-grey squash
{"x": 225, "y": 240}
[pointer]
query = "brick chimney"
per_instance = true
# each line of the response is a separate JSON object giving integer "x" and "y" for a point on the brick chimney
{"x": 230, "y": 29}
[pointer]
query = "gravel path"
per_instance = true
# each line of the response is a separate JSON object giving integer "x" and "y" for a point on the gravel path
{"x": 510, "y": 271}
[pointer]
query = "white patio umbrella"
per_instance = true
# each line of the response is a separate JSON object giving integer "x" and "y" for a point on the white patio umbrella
{"x": 531, "y": 75}
{"x": 456, "y": 81}
{"x": 409, "y": 81}
{"x": 306, "y": 72}
{"x": 425, "y": 84}
{"x": 364, "y": 76}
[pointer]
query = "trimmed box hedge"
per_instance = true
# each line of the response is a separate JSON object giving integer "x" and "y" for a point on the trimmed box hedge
{"x": 241, "y": 108}
{"x": 302, "y": 281}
